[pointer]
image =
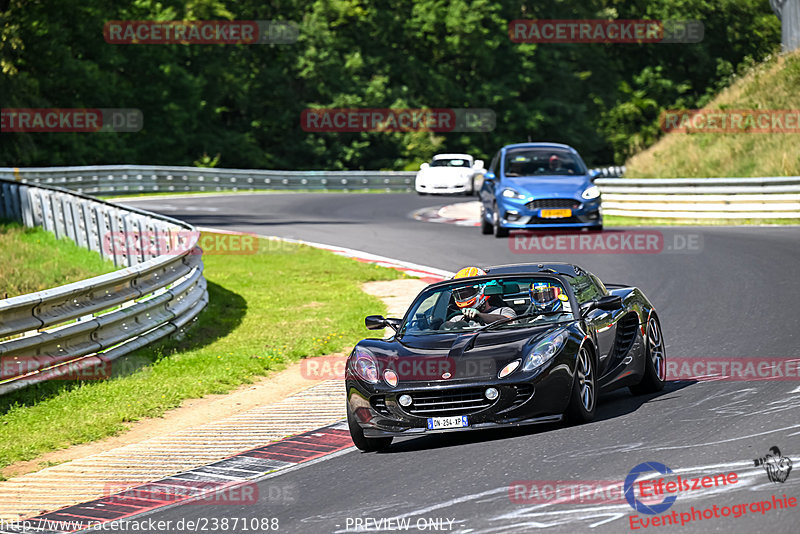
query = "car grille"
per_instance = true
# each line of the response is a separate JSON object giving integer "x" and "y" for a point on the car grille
{"x": 523, "y": 393}
{"x": 553, "y": 203}
{"x": 554, "y": 220}
{"x": 447, "y": 402}
{"x": 379, "y": 404}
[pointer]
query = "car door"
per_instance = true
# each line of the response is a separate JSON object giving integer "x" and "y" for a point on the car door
{"x": 602, "y": 323}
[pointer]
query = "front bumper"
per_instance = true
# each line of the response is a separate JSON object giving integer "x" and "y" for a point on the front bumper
{"x": 442, "y": 189}
{"x": 514, "y": 214}
{"x": 527, "y": 400}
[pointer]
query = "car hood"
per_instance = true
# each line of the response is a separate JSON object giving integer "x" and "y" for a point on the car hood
{"x": 549, "y": 186}
{"x": 424, "y": 359}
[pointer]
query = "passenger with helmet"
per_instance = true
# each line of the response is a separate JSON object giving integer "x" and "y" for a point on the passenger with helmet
{"x": 546, "y": 297}
{"x": 476, "y": 308}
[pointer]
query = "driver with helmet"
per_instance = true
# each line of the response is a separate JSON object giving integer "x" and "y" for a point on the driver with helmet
{"x": 475, "y": 307}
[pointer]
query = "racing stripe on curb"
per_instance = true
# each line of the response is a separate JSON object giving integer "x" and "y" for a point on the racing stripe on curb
{"x": 192, "y": 485}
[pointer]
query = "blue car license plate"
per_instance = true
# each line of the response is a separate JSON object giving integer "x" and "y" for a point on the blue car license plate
{"x": 456, "y": 421}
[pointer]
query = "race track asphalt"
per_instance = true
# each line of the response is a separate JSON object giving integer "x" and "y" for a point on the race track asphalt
{"x": 735, "y": 296}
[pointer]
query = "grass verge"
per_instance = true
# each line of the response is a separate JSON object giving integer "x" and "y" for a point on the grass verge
{"x": 265, "y": 309}
{"x": 33, "y": 259}
{"x": 772, "y": 85}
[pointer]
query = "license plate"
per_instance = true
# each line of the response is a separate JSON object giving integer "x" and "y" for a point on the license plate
{"x": 555, "y": 214}
{"x": 457, "y": 421}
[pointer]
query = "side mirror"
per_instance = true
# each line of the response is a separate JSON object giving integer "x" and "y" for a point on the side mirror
{"x": 377, "y": 322}
{"x": 607, "y": 303}
{"x": 424, "y": 166}
{"x": 478, "y": 164}
{"x": 593, "y": 174}
{"x": 489, "y": 176}
{"x": 610, "y": 302}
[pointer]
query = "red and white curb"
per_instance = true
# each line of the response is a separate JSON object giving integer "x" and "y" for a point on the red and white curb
{"x": 227, "y": 480}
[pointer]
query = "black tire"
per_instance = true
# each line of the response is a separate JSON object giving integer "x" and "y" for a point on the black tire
{"x": 497, "y": 226}
{"x": 363, "y": 443}
{"x": 583, "y": 400}
{"x": 486, "y": 226}
{"x": 598, "y": 228}
{"x": 471, "y": 192}
{"x": 655, "y": 365}
{"x": 420, "y": 193}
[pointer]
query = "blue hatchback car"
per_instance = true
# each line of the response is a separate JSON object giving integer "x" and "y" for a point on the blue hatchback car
{"x": 538, "y": 185}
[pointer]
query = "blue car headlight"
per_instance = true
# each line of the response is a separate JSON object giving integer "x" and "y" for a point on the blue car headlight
{"x": 545, "y": 350}
{"x": 591, "y": 192}
{"x": 513, "y": 193}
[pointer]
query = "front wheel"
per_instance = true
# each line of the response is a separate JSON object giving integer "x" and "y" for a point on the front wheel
{"x": 583, "y": 400}
{"x": 364, "y": 443}
{"x": 655, "y": 365}
{"x": 486, "y": 226}
{"x": 497, "y": 226}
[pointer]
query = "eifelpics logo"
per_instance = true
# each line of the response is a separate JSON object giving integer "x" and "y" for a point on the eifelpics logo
{"x": 777, "y": 467}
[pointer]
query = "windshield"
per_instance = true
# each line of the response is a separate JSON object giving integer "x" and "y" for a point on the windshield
{"x": 450, "y": 163}
{"x": 444, "y": 309}
{"x": 538, "y": 162}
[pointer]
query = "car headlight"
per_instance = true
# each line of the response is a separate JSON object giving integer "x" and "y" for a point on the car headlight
{"x": 591, "y": 192}
{"x": 544, "y": 351}
{"x": 364, "y": 366}
{"x": 511, "y": 193}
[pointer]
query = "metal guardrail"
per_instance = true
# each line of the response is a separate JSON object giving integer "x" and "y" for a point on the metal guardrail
{"x": 702, "y": 198}
{"x": 609, "y": 172}
{"x": 62, "y": 331}
{"x": 135, "y": 179}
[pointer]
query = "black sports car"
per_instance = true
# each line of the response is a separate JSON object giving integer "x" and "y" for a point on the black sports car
{"x": 554, "y": 336}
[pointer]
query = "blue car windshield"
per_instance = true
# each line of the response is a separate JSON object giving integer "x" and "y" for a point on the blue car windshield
{"x": 541, "y": 162}
{"x": 442, "y": 310}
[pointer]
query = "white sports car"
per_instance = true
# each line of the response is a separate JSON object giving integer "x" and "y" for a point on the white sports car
{"x": 449, "y": 173}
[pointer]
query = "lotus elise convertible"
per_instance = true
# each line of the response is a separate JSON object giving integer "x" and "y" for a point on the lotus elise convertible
{"x": 504, "y": 346}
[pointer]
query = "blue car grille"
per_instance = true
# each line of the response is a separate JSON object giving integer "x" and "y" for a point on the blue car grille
{"x": 461, "y": 401}
{"x": 553, "y": 203}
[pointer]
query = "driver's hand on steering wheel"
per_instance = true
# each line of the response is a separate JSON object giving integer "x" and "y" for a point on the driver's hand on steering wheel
{"x": 470, "y": 313}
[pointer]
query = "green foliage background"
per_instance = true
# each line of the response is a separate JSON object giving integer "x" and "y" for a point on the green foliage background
{"x": 240, "y": 106}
